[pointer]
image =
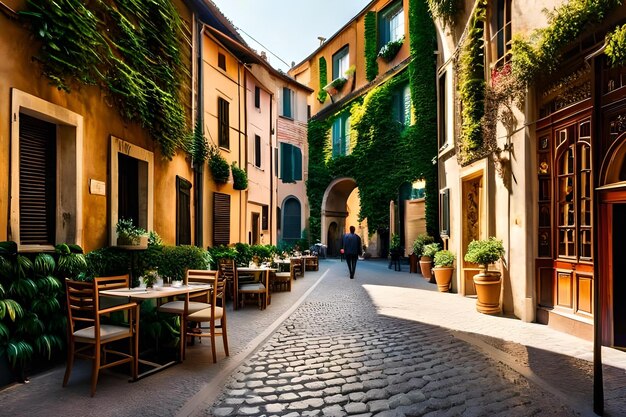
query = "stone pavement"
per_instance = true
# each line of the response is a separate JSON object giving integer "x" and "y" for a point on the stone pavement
{"x": 386, "y": 343}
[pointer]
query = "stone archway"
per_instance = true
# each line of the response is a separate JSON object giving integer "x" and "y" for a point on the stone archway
{"x": 335, "y": 211}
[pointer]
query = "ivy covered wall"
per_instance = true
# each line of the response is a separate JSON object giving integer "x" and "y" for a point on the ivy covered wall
{"x": 384, "y": 153}
{"x": 131, "y": 49}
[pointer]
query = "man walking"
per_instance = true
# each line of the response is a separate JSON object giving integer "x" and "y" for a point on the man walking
{"x": 351, "y": 249}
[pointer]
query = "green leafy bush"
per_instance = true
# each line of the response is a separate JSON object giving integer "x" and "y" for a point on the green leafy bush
{"x": 107, "y": 261}
{"x": 127, "y": 232}
{"x": 371, "y": 39}
{"x": 220, "y": 170}
{"x": 484, "y": 252}
{"x": 240, "y": 177}
{"x": 446, "y": 10}
{"x": 176, "y": 260}
{"x": 444, "y": 258}
{"x": 431, "y": 249}
{"x": 421, "y": 241}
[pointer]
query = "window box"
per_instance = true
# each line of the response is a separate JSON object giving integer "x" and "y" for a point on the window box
{"x": 390, "y": 49}
{"x": 336, "y": 85}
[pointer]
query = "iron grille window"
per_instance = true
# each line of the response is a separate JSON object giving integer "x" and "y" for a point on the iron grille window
{"x": 37, "y": 181}
{"x": 223, "y": 123}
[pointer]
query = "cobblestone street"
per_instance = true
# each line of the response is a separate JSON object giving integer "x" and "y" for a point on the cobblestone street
{"x": 337, "y": 355}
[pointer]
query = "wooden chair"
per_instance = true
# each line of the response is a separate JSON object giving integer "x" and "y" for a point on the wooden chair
{"x": 86, "y": 331}
{"x": 186, "y": 304}
{"x": 281, "y": 281}
{"x": 312, "y": 264}
{"x": 246, "y": 285}
{"x": 214, "y": 315}
{"x": 298, "y": 265}
{"x": 227, "y": 270}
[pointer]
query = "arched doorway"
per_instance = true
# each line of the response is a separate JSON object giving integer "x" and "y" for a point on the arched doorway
{"x": 611, "y": 245}
{"x": 292, "y": 220}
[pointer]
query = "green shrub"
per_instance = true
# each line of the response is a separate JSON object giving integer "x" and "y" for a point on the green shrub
{"x": 106, "y": 262}
{"x": 444, "y": 258}
{"x": 176, "y": 260}
{"x": 431, "y": 249}
{"x": 240, "y": 177}
{"x": 421, "y": 241}
{"x": 484, "y": 252}
{"x": 220, "y": 170}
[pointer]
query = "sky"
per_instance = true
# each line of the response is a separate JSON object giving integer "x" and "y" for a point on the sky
{"x": 288, "y": 28}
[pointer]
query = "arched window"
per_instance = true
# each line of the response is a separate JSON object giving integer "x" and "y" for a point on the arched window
{"x": 292, "y": 222}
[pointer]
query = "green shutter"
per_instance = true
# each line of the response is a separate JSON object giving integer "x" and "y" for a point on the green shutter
{"x": 286, "y": 102}
{"x": 286, "y": 162}
{"x": 297, "y": 165}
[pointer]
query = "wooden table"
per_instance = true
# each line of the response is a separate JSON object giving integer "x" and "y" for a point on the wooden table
{"x": 142, "y": 294}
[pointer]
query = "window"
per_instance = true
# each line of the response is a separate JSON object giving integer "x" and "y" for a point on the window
{"x": 264, "y": 218}
{"x": 574, "y": 192}
{"x": 401, "y": 106}
{"x": 441, "y": 116}
{"x": 276, "y": 162}
{"x": 341, "y": 62}
{"x": 37, "y": 181}
{"x": 444, "y": 212}
{"x": 132, "y": 179}
{"x": 287, "y": 102}
{"x": 391, "y": 24}
{"x": 223, "y": 123}
{"x": 291, "y": 163}
{"x": 501, "y": 26}
{"x": 254, "y": 235}
{"x": 292, "y": 220}
{"x": 48, "y": 144}
{"x": 221, "y": 219}
{"x": 183, "y": 211}
{"x": 257, "y": 151}
{"x": 341, "y": 135}
{"x": 257, "y": 97}
{"x": 221, "y": 61}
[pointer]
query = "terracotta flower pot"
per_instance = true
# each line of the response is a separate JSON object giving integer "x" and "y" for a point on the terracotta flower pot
{"x": 425, "y": 266}
{"x": 488, "y": 285}
{"x": 443, "y": 277}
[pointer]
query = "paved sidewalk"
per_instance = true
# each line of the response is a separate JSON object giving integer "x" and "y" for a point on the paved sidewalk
{"x": 403, "y": 311}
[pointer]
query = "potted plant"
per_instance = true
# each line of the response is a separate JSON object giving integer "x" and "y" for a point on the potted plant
{"x": 488, "y": 283}
{"x": 418, "y": 247}
{"x": 427, "y": 259}
{"x": 444, "y": 261}
{"x": 220, "y": 170}
{"x": 240, "y": 177}
{"x": 130, "y": 235}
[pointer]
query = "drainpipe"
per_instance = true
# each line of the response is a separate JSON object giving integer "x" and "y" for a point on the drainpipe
{"x": 241, "y": 203}
{"x": 271, "y": 210}
{"x": 199, "y": 168}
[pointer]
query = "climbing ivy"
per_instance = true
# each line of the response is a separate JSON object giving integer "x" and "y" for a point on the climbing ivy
{"x": 384, "y": 153}
{"x": 371, "y": 46}
{"x": 130, "y": 48}
{"x": 541, "y": 52}
{"x": 616, "y": 46}
{"x": 446, "y": 10}
{"x": 322, "y": 94}
{"x": 472, "y": 86}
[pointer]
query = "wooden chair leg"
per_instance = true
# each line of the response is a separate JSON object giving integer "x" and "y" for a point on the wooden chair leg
{"x": 95, "y": 369}
{"x": 70, "y": 363}
{"x": 224, "y": 335}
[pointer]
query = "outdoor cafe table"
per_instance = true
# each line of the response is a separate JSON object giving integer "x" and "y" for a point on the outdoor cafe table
{"x": 257, "y": 277}
{"x": 142, "y": 294}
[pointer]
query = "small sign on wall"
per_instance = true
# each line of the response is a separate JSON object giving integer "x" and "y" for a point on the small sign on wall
{"x": 97, "y": 187}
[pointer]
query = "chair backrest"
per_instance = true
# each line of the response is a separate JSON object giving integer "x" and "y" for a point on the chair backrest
{"x": 204, "y": 276}
{"x": 83, "y": 304}
{"x": 113, "y": 282}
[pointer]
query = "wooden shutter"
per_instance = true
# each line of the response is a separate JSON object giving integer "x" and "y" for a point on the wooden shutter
{"x": 37, "y": 181}
{"x": 183, "y": 211}
{"x": 221, "y": 219}
{"x": 286, "y": 102}
{"x": 224, "y": 123}
{"x": 257, "y": 151}
{"x": 264, "y": 218}
{"x": 297, "y": 163}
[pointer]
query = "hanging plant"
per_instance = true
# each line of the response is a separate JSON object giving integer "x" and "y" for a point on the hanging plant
{"x": 336, "y": 85}
{"x": 240, "y": 177}
{"x": 371, "y": 64}
{"x": 322, "y": 94}
{"x": 446, "y": 10}
{"x": 218, "y": 166}
{"x": 391, "y": 49}
{"x": 616, "y": 46}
